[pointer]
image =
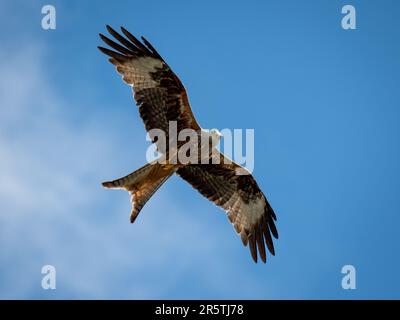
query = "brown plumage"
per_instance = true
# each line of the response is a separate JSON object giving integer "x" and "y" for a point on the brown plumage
{"x": 162, "y": 98}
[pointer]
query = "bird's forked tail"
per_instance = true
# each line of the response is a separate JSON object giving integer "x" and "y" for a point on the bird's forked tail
{"x": 142, "y": 184}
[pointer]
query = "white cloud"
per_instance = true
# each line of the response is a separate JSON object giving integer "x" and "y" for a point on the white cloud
{"x": 53, "y": 208}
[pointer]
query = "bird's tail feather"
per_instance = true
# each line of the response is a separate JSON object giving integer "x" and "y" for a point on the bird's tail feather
{"x": 142, "y": 184}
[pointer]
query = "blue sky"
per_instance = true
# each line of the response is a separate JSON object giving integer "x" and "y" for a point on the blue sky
{"x": 324, "y": 103}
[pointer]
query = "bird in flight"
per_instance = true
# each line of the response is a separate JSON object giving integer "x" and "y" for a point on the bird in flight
{"x": 162, "y": 99}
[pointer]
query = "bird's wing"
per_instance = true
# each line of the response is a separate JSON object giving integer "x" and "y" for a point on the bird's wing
{"x": 158, "y": 92}
{"x": 239, "y": 195}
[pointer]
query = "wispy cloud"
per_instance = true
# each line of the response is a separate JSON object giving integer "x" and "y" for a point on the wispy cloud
{"x": 53, "y": 210}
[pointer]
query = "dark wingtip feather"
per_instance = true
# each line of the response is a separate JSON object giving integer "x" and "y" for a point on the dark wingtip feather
{"x": 109, "y": 28}
{"x": 123, "y": 40}
{"x": 253, "y": 248}
{"x": 154, "y": 51}
{"x": 260, "y": 243}
{"x": 140, "y": 45}
{"x": 273, "y": 229}
{"x": 115, "y": 45}
{"x": 101, "y": 49}
{"x": 148, "y": 44}
{"x": 113, "y": 54}
{"x": 267, "y": 236}
{"x": 271, "y": 211}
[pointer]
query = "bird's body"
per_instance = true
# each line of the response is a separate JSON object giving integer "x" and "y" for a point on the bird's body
{"x": 163, "y": 102}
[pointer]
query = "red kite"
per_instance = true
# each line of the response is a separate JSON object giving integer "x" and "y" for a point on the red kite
{"x": 162, "y": 98}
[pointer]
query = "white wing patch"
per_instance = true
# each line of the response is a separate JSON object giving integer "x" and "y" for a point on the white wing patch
{"x": 244, "y": 215}
{"x": 136, "y": 72}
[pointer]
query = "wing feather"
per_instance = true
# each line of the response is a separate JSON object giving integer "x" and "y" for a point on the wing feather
{"x": 239, "y": 195}
{"x": 159, "y": 94}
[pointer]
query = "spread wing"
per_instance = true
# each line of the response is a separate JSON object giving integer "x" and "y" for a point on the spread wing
{"x": 239, "y": 195}
{"x": 158, "y": 92}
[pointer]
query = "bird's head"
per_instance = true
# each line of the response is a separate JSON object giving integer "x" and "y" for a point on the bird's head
{"x": 215, "y": 136}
